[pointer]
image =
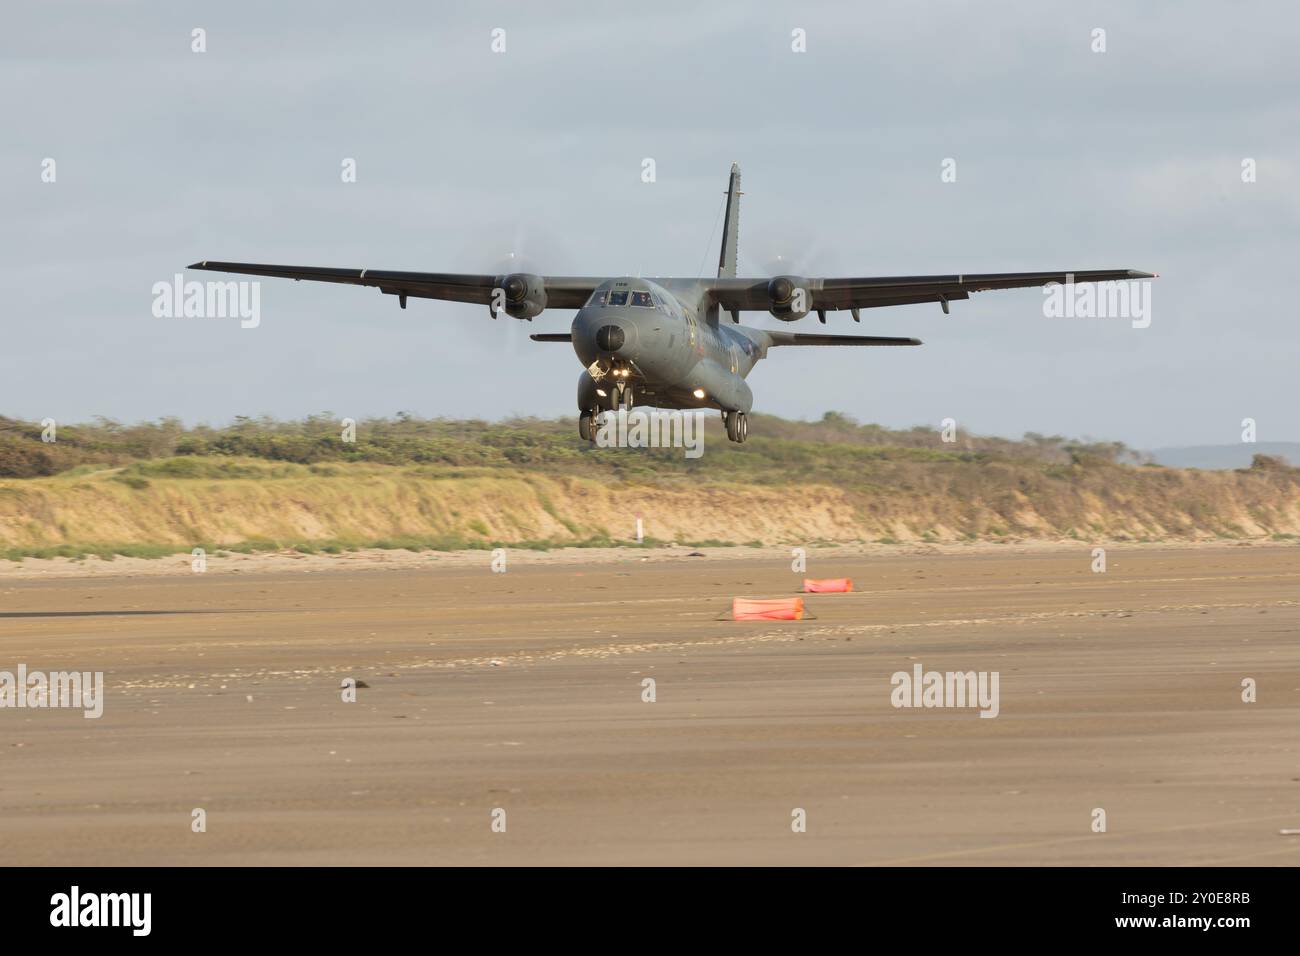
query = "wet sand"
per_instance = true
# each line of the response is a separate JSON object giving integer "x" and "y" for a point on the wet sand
{"x": 523, "y": 691}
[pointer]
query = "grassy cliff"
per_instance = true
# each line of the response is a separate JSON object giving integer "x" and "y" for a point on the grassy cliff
{"x": 158, "y": 488}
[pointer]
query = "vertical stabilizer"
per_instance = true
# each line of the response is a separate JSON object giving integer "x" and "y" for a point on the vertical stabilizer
{"x": 727, "y": 258}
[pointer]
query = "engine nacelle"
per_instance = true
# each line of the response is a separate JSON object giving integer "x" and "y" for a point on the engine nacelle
{"x": 790, "y": 297}
{"x": 521, "y": 294}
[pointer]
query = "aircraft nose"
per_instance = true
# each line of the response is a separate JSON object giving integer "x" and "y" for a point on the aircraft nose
{"x": 609, "y": 338}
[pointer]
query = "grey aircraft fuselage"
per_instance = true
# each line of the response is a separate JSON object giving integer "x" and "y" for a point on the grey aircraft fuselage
{"x": 675, "y": 353}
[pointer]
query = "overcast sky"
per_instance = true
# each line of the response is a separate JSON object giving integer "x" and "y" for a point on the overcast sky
{"x": 1066, "y": 159}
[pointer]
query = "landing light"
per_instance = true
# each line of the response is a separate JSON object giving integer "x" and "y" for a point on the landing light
{"x": 601, "y": 393}
{"x": 698, "y": 393}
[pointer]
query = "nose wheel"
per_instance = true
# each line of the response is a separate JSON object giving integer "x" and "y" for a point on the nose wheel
{"x": 737, "y": 426}
{"x": 623, "y": 397}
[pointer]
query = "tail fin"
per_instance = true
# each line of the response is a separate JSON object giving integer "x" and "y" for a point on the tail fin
{"x": 727, "y": 259}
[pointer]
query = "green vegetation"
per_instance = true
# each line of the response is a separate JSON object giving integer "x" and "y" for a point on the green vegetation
{"x": 836, "y": 448}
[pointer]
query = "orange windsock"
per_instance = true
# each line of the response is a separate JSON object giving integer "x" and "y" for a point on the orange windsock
{"x": 826, "y": 585}
{"x": 781, "y": 609}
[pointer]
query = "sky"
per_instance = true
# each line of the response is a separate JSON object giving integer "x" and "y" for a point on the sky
{"x": 1066, "y": 157}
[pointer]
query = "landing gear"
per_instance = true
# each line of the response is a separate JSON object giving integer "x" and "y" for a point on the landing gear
{"x": 587, "y": 426}
{"x": 737, "y": 426}
{"x": 623, "y": 397}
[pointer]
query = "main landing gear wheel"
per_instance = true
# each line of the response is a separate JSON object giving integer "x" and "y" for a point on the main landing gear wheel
{"x": 587, "y": 426}
{"x": 737, "y": 426}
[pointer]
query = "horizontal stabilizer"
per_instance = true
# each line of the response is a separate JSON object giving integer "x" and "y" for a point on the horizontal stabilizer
{"x": 801, "y": 338}
{"x": 552, "y": 337}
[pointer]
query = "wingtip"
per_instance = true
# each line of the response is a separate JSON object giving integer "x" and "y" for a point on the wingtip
{"x": 198, "y": 265}
{"x": 1139, "y": 274}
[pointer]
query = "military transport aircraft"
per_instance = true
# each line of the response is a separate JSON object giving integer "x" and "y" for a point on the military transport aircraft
{"x": 662, "y": 342}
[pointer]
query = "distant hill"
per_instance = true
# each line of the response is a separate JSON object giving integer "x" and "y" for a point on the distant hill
{"x": 1225, "y": 456}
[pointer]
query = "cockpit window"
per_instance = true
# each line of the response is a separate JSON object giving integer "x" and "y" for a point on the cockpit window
{"x": 597, "y": 298}
{"x": 643, "y": 300}
{"x": 618, "y": 298}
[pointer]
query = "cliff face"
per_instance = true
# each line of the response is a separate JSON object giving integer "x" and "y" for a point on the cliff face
{"x": 169, "y": 505}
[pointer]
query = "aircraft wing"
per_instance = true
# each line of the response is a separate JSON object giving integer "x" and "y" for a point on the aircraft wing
{"x": 868, "y": 293}
{"x": 562, "y": 292}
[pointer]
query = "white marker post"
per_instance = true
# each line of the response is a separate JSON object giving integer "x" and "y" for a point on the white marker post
{"x": 640, "y": 531}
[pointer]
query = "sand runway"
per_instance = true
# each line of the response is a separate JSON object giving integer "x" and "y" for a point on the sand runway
{"x": 524, "y": 691}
